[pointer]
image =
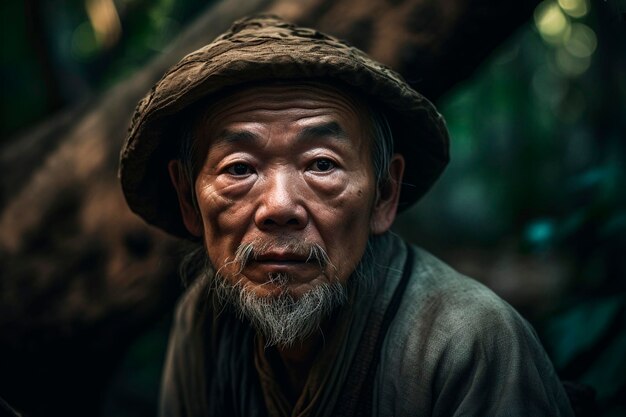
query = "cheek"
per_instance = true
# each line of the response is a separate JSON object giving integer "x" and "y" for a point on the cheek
{"x": 343, "y": 222}
{"x": 224, "y": 221}
{"x": 220, "y": 204}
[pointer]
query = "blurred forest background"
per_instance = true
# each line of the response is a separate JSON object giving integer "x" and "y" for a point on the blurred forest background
{"x": 533, "y": 203}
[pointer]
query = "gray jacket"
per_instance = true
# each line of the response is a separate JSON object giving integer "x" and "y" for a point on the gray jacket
{"x": 453, "y": 348}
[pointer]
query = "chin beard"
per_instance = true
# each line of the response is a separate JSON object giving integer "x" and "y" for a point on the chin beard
{"x": 283, "y": 319}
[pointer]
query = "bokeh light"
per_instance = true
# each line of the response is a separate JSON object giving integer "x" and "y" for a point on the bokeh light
{"x": 574, "y": 42}
{"x": 582, "y": 41}
{"x": 84, "y": 44}
{"x": 553, "y": 25}
{"x": 571, "y": 65}
{"x": 105, "y": 21}
{"x": 575, "y": 8}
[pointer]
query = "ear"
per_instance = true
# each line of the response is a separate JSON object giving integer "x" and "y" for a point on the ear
{"x": 191, "y": 216}
{"x": 386, "y": 206}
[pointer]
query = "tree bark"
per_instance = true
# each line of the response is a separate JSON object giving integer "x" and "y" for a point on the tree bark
{"x": 81, "y": 275}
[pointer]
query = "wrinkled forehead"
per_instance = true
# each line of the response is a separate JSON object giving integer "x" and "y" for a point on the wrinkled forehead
{"x": 299, "y": 101}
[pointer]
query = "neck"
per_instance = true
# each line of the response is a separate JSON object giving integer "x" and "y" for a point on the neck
{"x": 297, "y": 360}
{"x": 300, "y": 353}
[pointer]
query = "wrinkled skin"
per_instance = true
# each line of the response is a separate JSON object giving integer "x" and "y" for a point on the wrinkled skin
{"x": 286, "y": 163}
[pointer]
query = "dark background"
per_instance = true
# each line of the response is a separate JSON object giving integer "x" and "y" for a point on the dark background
{"x": 533, "y": 203}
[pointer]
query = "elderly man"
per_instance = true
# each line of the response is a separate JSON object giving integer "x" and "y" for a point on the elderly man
{"x": 284, "y": 154}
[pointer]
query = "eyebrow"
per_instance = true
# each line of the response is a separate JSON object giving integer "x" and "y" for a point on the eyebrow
{"x": 330, "y": 129}
{"x": 230, "y": 136}
{"x": 324, "y": 130}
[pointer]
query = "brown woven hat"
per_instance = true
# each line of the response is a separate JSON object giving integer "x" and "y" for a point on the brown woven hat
{"x": 261, "y": 48}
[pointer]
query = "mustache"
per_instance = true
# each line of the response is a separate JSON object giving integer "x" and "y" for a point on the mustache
{"x": 250, "y": 251}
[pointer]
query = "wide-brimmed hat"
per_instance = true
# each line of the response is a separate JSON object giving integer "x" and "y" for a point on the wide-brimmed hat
{"x": 261, "y": 48}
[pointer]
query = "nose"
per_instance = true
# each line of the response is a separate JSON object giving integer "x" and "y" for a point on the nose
{"x": 281, "y": 204}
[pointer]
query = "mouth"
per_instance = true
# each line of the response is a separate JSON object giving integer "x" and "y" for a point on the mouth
{"x": 285, "y": 262}
{"x": 299, "y": 264}
{"x": 282, "y": 259}
{"x": 302, "y": 261}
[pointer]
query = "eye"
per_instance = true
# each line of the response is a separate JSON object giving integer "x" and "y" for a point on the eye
{"x": 322, "y": 165}
{"x": 239, "y": 169}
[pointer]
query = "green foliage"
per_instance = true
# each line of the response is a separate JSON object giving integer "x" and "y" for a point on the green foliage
{"x": 18, "y": 67}
{"x": 587, "y": 342}
{"x": 538, "y": 158}
{"x": 54, "y": 56}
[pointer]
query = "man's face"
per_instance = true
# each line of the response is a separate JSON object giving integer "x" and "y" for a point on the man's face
{"x": 287, "y": 168}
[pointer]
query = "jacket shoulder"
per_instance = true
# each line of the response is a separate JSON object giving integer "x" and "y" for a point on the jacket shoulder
{"x": 456, "y": 348}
